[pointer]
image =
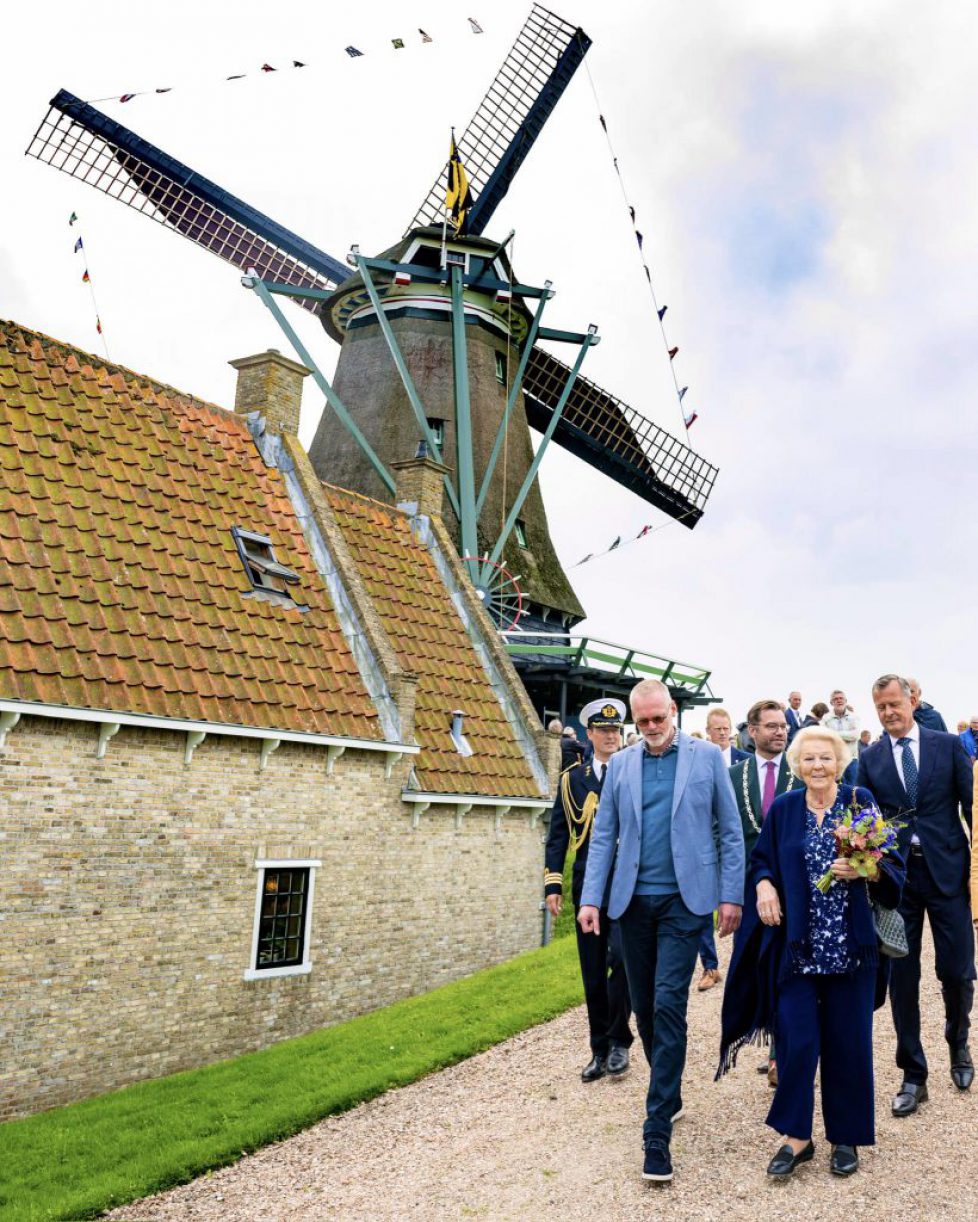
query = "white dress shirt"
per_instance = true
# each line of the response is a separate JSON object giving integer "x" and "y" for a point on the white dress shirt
{"x": 725, "y": 752}
{"x": 597, "y": 768}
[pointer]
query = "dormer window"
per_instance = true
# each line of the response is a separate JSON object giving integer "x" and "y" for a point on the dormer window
{"x": 258, "y": 557}
{"x": 437, "y": 427}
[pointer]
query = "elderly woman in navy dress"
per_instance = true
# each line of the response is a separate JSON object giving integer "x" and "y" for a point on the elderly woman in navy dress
{"x": 805, "y": 964}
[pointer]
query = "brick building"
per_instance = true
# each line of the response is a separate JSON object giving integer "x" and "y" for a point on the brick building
{"x": 236, "y": 801}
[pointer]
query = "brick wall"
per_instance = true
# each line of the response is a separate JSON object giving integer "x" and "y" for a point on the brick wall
{"x": 128, "y": 889}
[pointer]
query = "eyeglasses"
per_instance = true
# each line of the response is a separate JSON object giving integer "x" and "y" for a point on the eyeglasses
{"x": 642, "y": 722}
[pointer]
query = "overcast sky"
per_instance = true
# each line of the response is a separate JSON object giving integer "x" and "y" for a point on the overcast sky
{"x": 805, "y": 178}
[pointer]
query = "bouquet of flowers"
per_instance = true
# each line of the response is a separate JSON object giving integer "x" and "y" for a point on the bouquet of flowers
{"x": 862, "y": 837}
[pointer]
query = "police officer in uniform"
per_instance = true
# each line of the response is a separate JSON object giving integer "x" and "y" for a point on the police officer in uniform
{"x": 602, "y": 966}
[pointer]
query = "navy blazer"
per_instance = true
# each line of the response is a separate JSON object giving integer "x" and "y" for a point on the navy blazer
{"x": 944, "y": 787}
{"x": 795, "y": 721}
{"x": 736, "y": 755}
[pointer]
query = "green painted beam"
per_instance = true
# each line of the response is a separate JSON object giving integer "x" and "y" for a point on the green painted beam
{"x": 510, "y": 404}
{"x": 332, "y": 398}
{"x": 406, "y": 379}
{"x": 589, "y": 340}
{"x": 463, "y": 428}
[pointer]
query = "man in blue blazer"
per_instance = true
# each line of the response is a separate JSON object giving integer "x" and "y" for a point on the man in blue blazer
{"x": 924, "y": 779}
{"x": 669, "y": 809}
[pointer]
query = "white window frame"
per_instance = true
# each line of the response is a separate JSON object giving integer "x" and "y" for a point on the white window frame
{"x": 312, "y": 864}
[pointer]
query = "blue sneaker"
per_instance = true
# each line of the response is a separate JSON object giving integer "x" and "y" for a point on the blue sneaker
{"x": 658, "y": 1164}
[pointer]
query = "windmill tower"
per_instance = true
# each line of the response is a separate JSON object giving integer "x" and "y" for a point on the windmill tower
{"x": 440, "y": 342}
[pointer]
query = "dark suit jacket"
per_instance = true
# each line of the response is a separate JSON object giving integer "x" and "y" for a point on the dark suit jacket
{"x": 926, "y": 715}
{"x": 944, "y": 787}
{"x": 749, "y": 806}
{"x": 736, "y": 755}
{"x": 795, "y": 721}
{"x": 580, "y": 781}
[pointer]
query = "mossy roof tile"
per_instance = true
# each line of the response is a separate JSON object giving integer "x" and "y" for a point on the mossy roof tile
{"x": 421, "y": 620}
{"x": 120, "y": 584}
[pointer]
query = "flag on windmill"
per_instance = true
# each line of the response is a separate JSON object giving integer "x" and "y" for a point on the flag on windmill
{"x": 458, "y": 197}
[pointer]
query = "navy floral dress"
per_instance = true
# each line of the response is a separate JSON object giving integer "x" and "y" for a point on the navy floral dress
{"x": 827, "y": 951}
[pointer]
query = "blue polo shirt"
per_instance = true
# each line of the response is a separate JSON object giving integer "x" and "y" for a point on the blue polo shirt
{"x": 656, "y": 872}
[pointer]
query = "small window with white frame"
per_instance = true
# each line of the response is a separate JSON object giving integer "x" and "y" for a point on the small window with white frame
{"x": 283, "y": 918}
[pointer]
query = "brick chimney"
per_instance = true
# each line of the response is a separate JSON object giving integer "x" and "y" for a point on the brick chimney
{"x": 420, "y": 486}
{"x": 270, "y": 383}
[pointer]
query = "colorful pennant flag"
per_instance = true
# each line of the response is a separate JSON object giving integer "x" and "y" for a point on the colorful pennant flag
{"x": 643, "y": 532}
{"x": 639, "y": 238}
{"x": 268, "y": 68}
{"x": 78, "y": 246}
{"x": 353, "y": 52}
{"x": 424, "y": 37}
{"x": 682, "y": 393}
{"x": 73, "y": 218}
{"x": 617, "y": 543}
{"x": 85, "y": 276}
{"x": 239, "y": 77}
{"x": 690, "y": 420}
{"x": 662, "y": 312}
{"x": 127, "y": 97}
{"x": 476, "y": 28}
{"x": 398, "y": 44}
{"x": 672, "y": 353}
{"x": 458, "y": 197}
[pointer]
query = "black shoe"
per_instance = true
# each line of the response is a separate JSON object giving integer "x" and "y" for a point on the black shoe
{"x": 596, "y": 1068}
{"x": 618, "y": 1061}
{"x": 658, "y": 1164}
{"x": 908, "y": 1098}
{"x": 844, "y": 1160}
{"x": 786, "y": 1160}
{"x": 962, "y": 1067}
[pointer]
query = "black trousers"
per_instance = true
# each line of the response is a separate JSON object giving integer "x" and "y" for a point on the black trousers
{"x": 954, "y": 952}
{"x": 605, "y": 984}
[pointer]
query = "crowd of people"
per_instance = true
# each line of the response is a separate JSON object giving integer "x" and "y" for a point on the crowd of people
{"x": 821, "y": 850}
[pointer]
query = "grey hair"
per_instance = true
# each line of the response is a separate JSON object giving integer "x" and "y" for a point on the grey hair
{"x": 649, "y": 687}
{"x": 886, "y": 680}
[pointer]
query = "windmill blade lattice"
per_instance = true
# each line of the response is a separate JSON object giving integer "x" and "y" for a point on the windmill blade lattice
{"x": 79, "y": 140}
{"x": 546, "y": 54}
{"x": 605, "y": 432}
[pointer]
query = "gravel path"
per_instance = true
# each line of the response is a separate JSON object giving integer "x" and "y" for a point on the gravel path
{"x": 514, "y": 1134}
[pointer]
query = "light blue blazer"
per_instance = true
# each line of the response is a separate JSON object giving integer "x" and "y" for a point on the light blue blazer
{"x": 707, "y": 835}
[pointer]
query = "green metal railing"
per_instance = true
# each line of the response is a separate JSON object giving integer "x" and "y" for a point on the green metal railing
{"x": 594, "y": 654}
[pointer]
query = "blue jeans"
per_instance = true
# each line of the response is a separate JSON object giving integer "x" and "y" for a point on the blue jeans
{"x": 659, "y": 939}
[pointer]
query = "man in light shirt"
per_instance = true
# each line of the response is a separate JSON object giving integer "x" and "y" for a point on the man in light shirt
{"x": 719, "y": 730}
{"x": 844, "y": 722}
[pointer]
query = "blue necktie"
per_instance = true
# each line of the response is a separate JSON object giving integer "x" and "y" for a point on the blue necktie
{"x": 909, "y": 770}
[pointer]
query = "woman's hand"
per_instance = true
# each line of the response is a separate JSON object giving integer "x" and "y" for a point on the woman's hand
{"x": 768, "y": 904}
{"x": 843, "y": 870}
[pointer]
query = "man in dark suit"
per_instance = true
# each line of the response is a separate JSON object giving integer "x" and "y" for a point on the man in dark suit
{"x": 757, "y": 781}
{"x": 719, "y": 730}
{"x": 923, "y": 778}
{"x": 793, "y": 715}
{"x": 602, "y": 968}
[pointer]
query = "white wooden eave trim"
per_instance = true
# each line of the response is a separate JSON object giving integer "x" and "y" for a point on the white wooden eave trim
{"x": 463, "y": 803}
{"x": 110, "y": 722}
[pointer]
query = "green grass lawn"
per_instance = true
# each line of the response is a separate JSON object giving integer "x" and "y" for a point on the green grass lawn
{"x": 76, "y": 1161}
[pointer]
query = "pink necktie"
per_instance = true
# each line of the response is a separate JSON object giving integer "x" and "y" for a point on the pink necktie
{"x": 769, "y": 783}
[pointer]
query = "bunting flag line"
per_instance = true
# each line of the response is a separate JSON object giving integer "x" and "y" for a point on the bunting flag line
{"x": 354, "y": 52}
{"x": 671, "y": 349}
{"x": 647, "y": 529}
{"x": 87, "y": 279}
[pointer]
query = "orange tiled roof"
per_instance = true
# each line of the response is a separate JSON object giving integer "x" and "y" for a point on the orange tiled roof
{"x": 431, "y": 641}
{"x": 121, "y": 588}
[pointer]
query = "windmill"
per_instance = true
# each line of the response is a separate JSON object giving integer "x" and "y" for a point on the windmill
{"x": 439, "y": 339}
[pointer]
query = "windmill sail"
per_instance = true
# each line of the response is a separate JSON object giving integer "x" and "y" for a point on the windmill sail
{"x": 81, "y": 141}
{"x": 618, "y": 441}
{"x": 546, "y": 54}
